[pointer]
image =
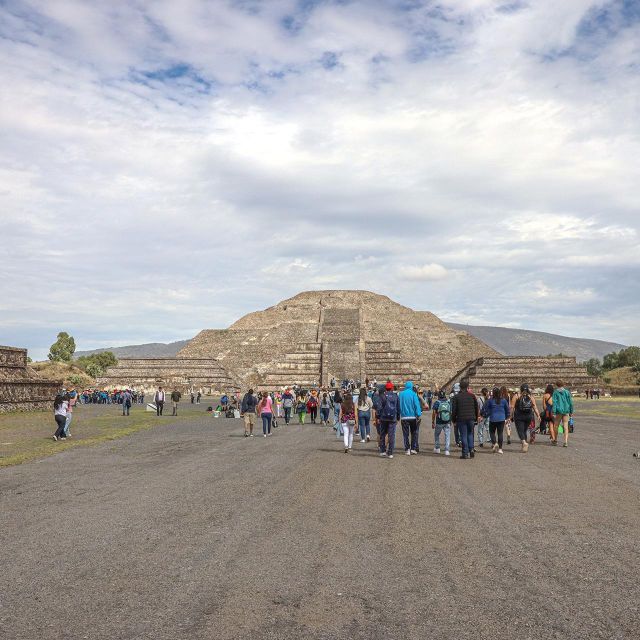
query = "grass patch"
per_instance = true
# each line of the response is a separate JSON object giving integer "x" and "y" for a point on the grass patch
{"x": 28, "y": 436}
{"x": 615, "y": 407}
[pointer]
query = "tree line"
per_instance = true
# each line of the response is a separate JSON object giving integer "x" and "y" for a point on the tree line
{"x": 95, "y": 365}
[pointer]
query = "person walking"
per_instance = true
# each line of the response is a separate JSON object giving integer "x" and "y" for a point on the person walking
{"x": 562, "y": 411}
{"x": 410, "y": 412}
{"x": 546, "y": 422}
{"x": 337, "y": 402}
{"x": 73, "y": 400}
{"x": 523, "y": 409}
{"x": 265, "y": 411}
{"x": 60, "y": 408}
{"x": 348, "y": 421}
{"x": 127, "y": 401}
{"x": 325, "y": 408}
{"x": 301, "y": 409}
{"x": 175, "y": 398}
{"x": 464, "y": 413}
{"x": 388, "y": 416}
{"x": 441, "y": 422}
{"x": 248, "y": 408}
{"x": 483, "y": 422}
{"x": 288, "y": 400}
{"x": 456, "y": 434}
{"x": 497, "y": 411}
{"x": 312, "y": 408}
{"x": 504, "y": 393}
{"x": 159, "y": 401}
{"x": 364, "y": 409}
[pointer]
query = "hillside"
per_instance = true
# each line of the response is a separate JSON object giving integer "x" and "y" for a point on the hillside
{"x": 521, "y": 342}
{"x": 70, "y": 374}
{"x": 149, "y": 350}
{"x": 622, "y": 380}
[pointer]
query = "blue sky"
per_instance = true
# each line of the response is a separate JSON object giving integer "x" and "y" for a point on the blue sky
{"x": 169, "y": 166}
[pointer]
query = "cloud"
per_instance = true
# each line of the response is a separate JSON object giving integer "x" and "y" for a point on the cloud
{"x": 170, "y": 166}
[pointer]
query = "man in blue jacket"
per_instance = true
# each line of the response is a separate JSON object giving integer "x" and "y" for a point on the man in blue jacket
{"x": 410, "y": 412}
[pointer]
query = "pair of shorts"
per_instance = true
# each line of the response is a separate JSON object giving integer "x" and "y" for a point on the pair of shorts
{"x": 249, "y": 419}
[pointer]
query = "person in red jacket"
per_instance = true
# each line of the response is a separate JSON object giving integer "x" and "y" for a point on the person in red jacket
{"x": 312, "y": 408}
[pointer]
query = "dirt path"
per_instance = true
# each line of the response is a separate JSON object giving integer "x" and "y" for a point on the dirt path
{"x": 189, "y": 530}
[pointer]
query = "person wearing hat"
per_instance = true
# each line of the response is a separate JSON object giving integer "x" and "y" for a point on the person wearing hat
{"x": 523, "y": 409}
{"x": 388, "y": 415}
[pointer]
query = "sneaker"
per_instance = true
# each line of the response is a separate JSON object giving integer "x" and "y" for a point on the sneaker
{"x": 390, "y": 455}
{"x": 362, "y": 441}
{"x": 446, "y": 453}
{"x": 413, "y": 452}
{"x": 472, "y": 454}
{"x": 495, "y": 447}
{"x": 566, "y": 444}
{"x": 368, "y": 438}
{"x": 463, "y": 457}
{"x": 482, "y": 445}
{"x": 251, "y": 435}
{"x": 525, "y": 447}
{"x": 407, "y": 452}
{"x": 55, "y": 438}
{"x": 500, "y": 451}
{"x": 246, "y": 435}
{"x": 265, "y": 435}
{"x": 382, "y": 455}
{"x": 346, "y": 449}
{"x": 436, "y": 450}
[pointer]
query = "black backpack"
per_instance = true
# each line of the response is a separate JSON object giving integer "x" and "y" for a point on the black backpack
{"x": 525, "y": 405}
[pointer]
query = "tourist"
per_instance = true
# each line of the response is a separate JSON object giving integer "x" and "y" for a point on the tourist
{"x": 523, "y": 409}
{"x": 265, "y": 411}
{"x": 456, "y": 434}
{"x": 288, "y": 401}
{"x": 441, "y": 422}
{"x": 562, "y": 411}
{"x": 546, "y": 422}
{"x": 159, "y": 401}
{"x": 198, "y": 396}
{"x": 464, "y": 413}
{"x": 504, "y": 393}
{"x": 363, "y": 415}
{"x": 312, "y": 407}
{"x": 301, "y": 409}
{"x": 73, "y": 399}
{"x": 410, "y": 412}
{"x": 497, "y": 412}
{"x": 325, "y": 408}
{"x": 337, "y": 402}
{"x": 175, "y": 398}
{"x": 224, "y": 401}
{"x": 348, "y": 421}
{"x": 60, "y": 408}
{"x": 127, "y": 401}
{"x": 483, "y": 422}
{"x": 248, "y": 412}
{"x": 389, "y": 415}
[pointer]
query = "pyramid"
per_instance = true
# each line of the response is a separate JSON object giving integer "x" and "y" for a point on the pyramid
{"x": 319, "y": 335}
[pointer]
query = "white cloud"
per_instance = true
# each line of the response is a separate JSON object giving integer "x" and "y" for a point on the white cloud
{"x": 427, "y": 272}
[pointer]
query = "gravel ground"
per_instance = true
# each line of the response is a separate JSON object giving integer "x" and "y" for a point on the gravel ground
{"x": 190, "y": 530}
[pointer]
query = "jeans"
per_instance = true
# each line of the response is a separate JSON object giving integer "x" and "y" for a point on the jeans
{"x": 364, "y": 424}
{"x": 67, "y": 422}
{"x": 456, "y": 434}
{"x": 483, "y": 427}
{"x": 313, "y": 413}
{"x": 410, "y": 428}
{"x": 287, "y": 415}
{"x": 387, "y": 432}
{"x": 446, "y": 428}
{"x": 336, "y": 416}
{"x": 159, "y": 407}
{"x": 324, "y": 414}
{"x": 347, "y": 430}
{"x": 466, "y": 429}
{"x": 499, "y": 427}
{"x": 125, "y": 408}
{"x": 60, "y": 421}
{"x": 266, "y": 422}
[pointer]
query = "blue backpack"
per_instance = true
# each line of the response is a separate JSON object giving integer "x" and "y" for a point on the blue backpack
{"x": 389, "y": 410}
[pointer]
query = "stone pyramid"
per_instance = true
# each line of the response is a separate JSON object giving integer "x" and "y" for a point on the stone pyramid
{"x": 319, "y": 335}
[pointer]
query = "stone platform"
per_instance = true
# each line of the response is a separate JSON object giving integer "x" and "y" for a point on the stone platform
{"x": 21, "y": 388}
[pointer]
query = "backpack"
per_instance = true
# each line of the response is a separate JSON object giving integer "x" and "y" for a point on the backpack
{"x": 525, "y": 405}
{"x": 287, "y": 402}
{"x": 389, "y": 409}
{"x": 444, "y": 411}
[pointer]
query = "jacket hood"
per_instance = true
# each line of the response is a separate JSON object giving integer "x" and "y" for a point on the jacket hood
{"x": 408, "y": 385}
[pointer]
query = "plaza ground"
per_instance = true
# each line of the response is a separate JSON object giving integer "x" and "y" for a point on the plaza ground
{"x": 186, "y": 529}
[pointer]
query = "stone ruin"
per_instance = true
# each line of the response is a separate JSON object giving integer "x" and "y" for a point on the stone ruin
{"x": 21, "y": 388}
{"x": 146, "y": 374}
{"x": 319, "y": 335}
{"x": 513, "y": 371}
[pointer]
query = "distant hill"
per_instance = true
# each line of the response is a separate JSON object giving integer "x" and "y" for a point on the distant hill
{"x": 521, "y": 342}
{"x": 149, "y": 350}
{"x": 509, "y": 342}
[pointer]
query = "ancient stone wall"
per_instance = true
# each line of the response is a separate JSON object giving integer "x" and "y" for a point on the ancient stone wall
{"x": 21, "y": 389}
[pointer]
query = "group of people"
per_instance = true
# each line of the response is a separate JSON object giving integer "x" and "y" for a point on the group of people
{"x": 474, "y": 419}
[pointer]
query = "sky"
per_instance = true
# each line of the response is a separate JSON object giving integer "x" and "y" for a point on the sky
{"x": 167, "y": 166}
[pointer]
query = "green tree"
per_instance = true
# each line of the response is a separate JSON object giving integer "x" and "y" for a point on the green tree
{"x": 97, "y": 363}
{"x": 610, "y": 361}
{"x": 629, "y": 357}
{"x": 94, "y": 370}
{"x": 63, "y": 348}
{"x": 594, "y": 367}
